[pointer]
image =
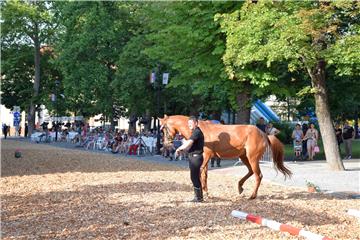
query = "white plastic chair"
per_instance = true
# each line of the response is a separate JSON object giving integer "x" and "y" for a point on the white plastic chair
{"x": 98, "y": 143}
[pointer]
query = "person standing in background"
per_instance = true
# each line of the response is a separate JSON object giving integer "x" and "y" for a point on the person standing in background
{"x": 297, "y": 136}
{"x": 261, "y": 124}
{"x": 312, "y": 136}
{"x": 348, "y": 136}
{"x": 271, "y": 130}
{"x": 26, "y": 130}
{"x": 5, "y": 130}
{"x": 304, "y": 142}
{"x": 338, "y": 133}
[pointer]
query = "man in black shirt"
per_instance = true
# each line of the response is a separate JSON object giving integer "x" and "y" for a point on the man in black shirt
{"x": 195, "y": 144}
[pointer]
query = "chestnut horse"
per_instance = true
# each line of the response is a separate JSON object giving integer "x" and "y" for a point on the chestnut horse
{"x": 246, "y": 142}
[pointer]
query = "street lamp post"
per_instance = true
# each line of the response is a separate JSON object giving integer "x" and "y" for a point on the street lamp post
{"x": 158, "y": 82}
{"x": 158, "y": 121}
{"x": 57, "y": 83}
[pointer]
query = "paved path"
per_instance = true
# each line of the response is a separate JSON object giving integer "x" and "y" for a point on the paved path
{"x": 317, "y": 172}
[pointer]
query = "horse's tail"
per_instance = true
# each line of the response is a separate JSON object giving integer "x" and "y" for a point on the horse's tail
{"x": 277, "y": 149}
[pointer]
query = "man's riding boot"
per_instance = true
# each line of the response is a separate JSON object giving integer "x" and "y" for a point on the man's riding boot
{"x": 198, "y": 195}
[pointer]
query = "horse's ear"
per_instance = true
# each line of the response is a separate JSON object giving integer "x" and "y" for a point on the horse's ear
{"x": 166, "y": 116}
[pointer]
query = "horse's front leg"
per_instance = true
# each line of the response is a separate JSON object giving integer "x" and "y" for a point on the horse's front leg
{"x": 204, "y": 171}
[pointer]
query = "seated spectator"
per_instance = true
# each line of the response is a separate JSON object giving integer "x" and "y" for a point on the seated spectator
{"x": 64, "y": 135}
{"x": 133, "y": 145}
{"x": 117, "y": 143}
{"x": 91, "y": 140}
{"x": 105, "y": 143}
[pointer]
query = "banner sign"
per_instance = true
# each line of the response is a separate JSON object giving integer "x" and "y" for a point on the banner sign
{"x": 17, "y": 116}
{"x": 152, "y": 77}
{"x": 165, "y": 78}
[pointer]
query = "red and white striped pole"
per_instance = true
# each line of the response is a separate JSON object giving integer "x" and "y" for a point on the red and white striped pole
{"x": 278, "y": 226}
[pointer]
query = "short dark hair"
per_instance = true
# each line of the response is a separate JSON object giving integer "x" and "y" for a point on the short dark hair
{"x": 193, "y": 118}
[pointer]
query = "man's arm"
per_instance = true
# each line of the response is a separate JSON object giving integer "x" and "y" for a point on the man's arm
{"x": 186, "y": 145}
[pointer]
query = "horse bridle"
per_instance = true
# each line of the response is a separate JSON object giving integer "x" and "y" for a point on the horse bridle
{"x": 167, "y": 134}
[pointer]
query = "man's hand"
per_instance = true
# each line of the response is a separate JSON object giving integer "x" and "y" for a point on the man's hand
{"x": 177, "y": 153}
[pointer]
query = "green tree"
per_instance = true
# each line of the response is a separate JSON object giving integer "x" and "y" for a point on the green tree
{"x": 93, "y": 37}
{"x": 30, "y": 24}
{"x": 303, "y": 34}
{"x": 191, "y": 42}
{"x": 17, "y": 71}
{"x": 344, "y": 98}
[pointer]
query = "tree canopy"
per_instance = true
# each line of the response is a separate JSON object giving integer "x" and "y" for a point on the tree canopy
{"x": 220, "y": 56}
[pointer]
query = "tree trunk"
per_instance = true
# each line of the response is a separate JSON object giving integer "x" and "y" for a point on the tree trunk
{"x": 31, "y": 117}
{"x": 233, "y": 117}
{"x": 113, "y": 122}
{"x": 132, "y": 124}
{"x": 244, "y": 110}
{"x": 288, "y": 108}
{"x": 323, "y": 115}
{"x": 356, "y": 126}
{"x": 112, "y": 117}
{"x": 147, "y": 126}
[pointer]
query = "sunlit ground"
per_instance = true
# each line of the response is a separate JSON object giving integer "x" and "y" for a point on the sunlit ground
{"x": 57, "y": 193}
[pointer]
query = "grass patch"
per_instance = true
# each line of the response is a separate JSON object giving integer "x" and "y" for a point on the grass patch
{"x": 289, "y": 151}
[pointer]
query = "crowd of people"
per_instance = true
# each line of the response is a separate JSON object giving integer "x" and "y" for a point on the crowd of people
{"x": 306, "y": 137}
{"x": 115, "y": 141}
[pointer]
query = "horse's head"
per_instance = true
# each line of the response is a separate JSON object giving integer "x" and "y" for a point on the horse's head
{"x": 168, "y": 129}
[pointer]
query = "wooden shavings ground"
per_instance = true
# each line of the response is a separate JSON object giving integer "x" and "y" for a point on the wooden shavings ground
{"x": 54, "y": 193}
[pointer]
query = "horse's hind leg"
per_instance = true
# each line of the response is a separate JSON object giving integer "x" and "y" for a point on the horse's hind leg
{"x": 241, "y": 182}
{"x": 254, "y": 162}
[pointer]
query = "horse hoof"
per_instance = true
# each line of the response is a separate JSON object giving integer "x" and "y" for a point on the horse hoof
{"x": 240, "y": 190}
{"x": 252, "y": 197}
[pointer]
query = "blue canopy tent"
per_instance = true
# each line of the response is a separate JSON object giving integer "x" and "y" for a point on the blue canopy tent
{"x": 259, "y": 109}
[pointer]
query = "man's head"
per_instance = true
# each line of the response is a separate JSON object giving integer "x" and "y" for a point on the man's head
{"x": 261, "y": 120}
{"x": 192, "y": 122}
